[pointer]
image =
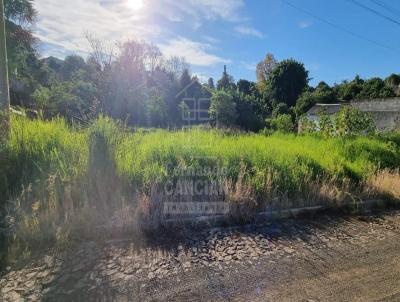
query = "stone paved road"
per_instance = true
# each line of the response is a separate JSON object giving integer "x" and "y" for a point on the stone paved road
{"x": 329, "y": 258}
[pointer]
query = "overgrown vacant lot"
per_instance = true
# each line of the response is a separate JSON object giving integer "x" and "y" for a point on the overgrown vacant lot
{"x": 58, "y": 181}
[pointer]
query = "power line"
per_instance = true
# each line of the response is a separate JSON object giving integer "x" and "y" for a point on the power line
{"x": 374, "y": 11}
{"x": 389, "y": 8}
{"x": 349, "y": 32}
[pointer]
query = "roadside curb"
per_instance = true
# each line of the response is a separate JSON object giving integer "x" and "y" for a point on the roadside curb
{"x": 225, "y": 220}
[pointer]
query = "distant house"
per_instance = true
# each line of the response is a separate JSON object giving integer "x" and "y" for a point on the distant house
{"x": 385, "y": 112}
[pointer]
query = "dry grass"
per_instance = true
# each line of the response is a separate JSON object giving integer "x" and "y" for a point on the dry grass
{"x": 385, "y": 183}
{"x": 241, "y": 196}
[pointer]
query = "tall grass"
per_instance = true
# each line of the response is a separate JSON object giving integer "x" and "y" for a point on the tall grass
{"x": 37, "y": 149}
{"x": 147, "y": 158}
{"x": 59, "y": 181}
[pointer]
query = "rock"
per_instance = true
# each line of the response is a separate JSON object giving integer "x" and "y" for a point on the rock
{"x": 30, "y": 284}
{"x": 16, "y": 297}
{"x": 230, "y": 251}
{"x": 6, "y": 289}
{"x": 43, "y": 274}
{"x": 288, "y": 250}
{"x": 129, "y": 270}
{"x": 20, "y": 289}
{"x": 31, "y": 275}
{"x": 111, "y": 272}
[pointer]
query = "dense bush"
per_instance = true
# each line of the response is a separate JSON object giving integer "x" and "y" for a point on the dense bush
{"x": 282, "y": 122}
{"x": 349, "y": 121}
{"x": 223, "y": 109}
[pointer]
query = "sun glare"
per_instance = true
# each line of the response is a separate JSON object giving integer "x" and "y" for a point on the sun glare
{"x": 135, "y": 4}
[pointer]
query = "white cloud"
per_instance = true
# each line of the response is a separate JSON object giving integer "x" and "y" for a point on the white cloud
{"x": 195, "y": 53}
{"x": 249, "y": 31}
{"x": 62, "y": 24}
{"x": 304, "y": 24}
{"x": 224, "y": 9}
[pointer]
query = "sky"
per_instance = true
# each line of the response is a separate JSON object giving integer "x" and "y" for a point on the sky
{"x": 335, "y": 40}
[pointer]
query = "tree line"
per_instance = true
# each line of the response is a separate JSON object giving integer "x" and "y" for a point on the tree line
{"x": 134, "y": 82}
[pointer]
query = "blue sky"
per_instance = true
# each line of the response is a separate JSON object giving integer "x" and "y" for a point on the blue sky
{"x": 238, "y": 33}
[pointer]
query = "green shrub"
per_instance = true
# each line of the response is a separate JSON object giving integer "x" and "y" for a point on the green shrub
{"x": 283, "y": 123}
{"x": 351, "y": 121}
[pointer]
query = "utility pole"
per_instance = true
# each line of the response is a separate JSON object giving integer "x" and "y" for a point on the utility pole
{"x": 4, "y": 86}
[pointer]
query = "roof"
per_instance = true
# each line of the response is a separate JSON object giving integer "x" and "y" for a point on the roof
{"x": 328, "y": 108}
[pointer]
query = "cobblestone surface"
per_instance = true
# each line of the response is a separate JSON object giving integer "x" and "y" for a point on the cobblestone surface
{"x": 125, "y": 266}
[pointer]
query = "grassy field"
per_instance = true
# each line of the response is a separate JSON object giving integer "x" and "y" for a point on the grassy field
{"x": 57, "y": 181}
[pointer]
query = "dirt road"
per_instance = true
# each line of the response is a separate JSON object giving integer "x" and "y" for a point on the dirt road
{"x": 329, "y": 258}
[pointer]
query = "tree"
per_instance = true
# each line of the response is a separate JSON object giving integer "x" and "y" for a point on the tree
{"x": 244, "y": 86}
{"x": 247, "y": 118}
{"x": 325, "y": 94}
{"x": 282, "y": 123}
{"x": 157, "y": 109}
{"x": 226, "y": 82}
{"x": 375, "y": 88}
{"x": 20, "y": 15}
{"x": 264, "y": 69}
{"x": 305, "y": 102}
{"x": 185, "y": 79}
{"x": 210, "y": 83}
{"x": 349, "y": 90}
{"x": 223, "y": 109}
{"x": 176, "y": 66}
{"x": 279, "y": 109}
{"x": 72, "y": 64}
{"x": 393, "y": 82}
{"x": 322, "y": 94}
{"x": 4, "y": 88}
{"x": 286, "y": 82}
{"x": 74, "y": 100}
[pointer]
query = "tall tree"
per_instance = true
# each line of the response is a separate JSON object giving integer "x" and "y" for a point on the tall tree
{"x": 375, "y": 88}
{"x": 393, "y": 82}
{"x": 226, "y": 82}
{"x": 210, "y": 83}
{"x": 264, "y": 69}
{"x": 22, "y": 60}
{"x": 286, "y": 82}
{"x": 223, "y": 109}
{"x": 244, "y": 86}
{"x": 185, "y": 79}
{"x": 4, "y": 88}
